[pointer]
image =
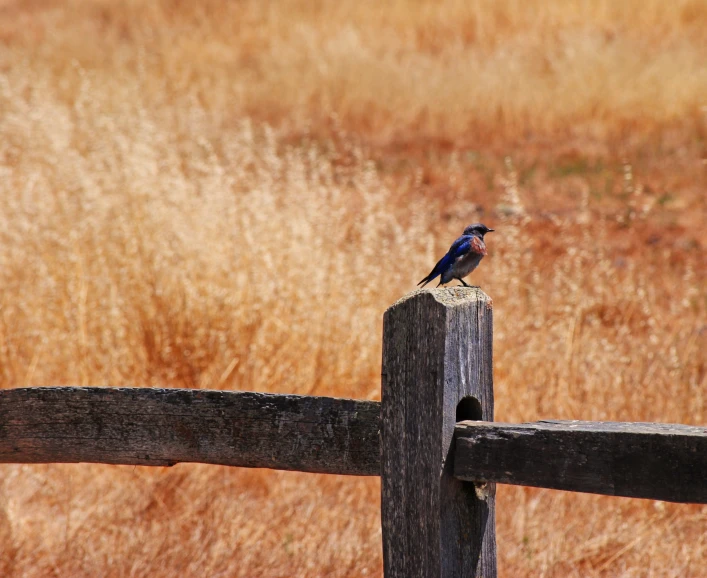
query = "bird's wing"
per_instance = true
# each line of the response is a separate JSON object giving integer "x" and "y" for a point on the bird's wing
{"x": 459, "y": 247}
{"x": 467, "y": 244}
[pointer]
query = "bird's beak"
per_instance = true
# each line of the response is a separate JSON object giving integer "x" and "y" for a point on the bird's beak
{"x": 490, "y": 230}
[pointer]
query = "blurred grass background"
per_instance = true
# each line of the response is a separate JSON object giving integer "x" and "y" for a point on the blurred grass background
{"x": 229, "y": 195}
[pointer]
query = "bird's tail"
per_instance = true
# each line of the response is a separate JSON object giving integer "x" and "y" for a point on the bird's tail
{"x": 429, "y": 278}
{"x": 441, "y": 265}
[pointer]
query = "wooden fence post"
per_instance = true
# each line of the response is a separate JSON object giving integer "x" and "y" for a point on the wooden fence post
{"x": 437, "y": 370}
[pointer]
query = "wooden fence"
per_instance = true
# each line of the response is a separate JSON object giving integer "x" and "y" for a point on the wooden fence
{"x": 432, "y": 438}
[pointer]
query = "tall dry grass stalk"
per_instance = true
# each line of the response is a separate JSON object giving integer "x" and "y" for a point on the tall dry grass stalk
{"x": 467, "y": 71}
{"x": 154, "y": 231}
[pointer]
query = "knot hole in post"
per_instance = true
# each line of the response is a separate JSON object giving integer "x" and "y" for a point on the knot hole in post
{"x": 469, "y": 408}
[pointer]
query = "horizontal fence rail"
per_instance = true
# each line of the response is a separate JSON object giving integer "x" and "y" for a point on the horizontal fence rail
{"x": 638, "y": 460}
{"x": 162, "y": 427}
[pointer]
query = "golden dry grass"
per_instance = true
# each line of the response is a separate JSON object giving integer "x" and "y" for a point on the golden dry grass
{"x": 229, "y": 195}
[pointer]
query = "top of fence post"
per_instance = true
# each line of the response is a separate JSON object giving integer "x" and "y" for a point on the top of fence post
{"x": 437, "y": 370}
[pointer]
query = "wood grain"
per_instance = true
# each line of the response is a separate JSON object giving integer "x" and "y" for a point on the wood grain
{"x": 437, "y": 351}
{"x": 158, "y": 427}
{"x": 639, "y": 460}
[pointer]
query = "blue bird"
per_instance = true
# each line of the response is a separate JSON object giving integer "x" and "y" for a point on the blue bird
{"x": 463, "y": 256}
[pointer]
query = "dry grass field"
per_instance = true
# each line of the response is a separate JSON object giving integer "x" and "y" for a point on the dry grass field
{"x": 229, "y": 194}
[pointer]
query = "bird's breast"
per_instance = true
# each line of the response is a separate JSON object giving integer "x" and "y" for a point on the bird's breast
{"x": 466, "y": 264}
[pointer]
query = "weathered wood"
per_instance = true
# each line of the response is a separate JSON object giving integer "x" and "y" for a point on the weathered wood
{"x": 437, "y": 351}
{"x": 639, "y": 460}
{"x": 158, "y": 427}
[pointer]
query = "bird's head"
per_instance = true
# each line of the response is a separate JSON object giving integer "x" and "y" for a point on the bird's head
{"x": 477, "y": 230}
